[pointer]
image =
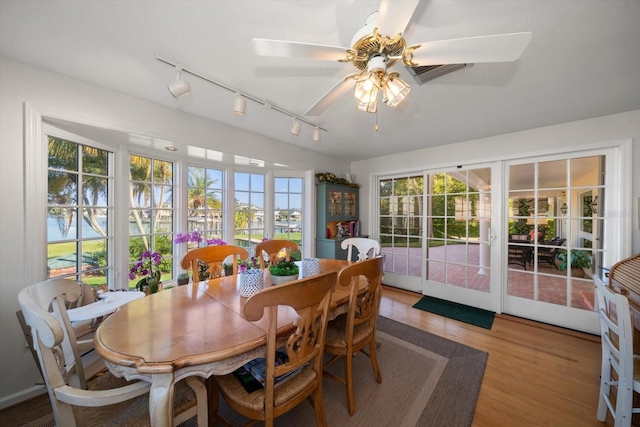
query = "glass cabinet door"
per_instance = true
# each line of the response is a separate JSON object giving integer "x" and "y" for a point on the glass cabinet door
{"x": 349, "y": 204}
{"x": 335, "y": 203}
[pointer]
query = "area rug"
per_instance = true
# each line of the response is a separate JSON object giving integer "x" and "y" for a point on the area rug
{"x": 427, "y": 380}
{"x": 464, "y": 313}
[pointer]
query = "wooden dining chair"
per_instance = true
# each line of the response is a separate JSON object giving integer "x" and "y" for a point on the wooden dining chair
{"x": 273, "y": 249}
{"x": 367, "y": 248}
{"x": 108, "y": 400}
{"x": 355, "y": 330}
{"x": 303, "y": 346}
{"x": 213, "y": 257}
{"x": 616, "y": 332}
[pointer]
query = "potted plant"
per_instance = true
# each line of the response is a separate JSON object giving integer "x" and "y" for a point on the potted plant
{"x": 183, "y": 279}
{"x": 284, "y": 271}
{"x": 228, "y": 268}
{"x": 578, "y": 261}
{"x": 148, "y": 266}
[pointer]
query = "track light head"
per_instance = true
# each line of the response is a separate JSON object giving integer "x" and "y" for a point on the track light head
{"x": 240, "y": 104}
{"x": 180, "y": 87}
{"x": 316, "y": 134}
{"x": 295, "y": 127}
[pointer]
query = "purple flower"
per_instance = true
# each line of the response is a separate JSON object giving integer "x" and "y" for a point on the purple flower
{"x": 195, "y": 237}
{"x": 216, "y": 242}
{"x": 182, "y": 238}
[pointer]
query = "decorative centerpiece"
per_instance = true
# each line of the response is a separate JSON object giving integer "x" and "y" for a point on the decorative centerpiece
{"x": 251, "y": 281}
{"x": 310, "y": 267}
{"x": 148, "y": 265}
{"x": 284, "y": 271}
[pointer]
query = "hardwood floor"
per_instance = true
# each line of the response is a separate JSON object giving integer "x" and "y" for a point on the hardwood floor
{"x": 536, "y": 375}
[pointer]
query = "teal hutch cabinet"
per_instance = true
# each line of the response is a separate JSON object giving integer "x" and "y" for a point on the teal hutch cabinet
{"x": 336, "y": 219}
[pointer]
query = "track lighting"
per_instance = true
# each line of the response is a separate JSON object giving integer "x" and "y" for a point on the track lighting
{"x": 180, "y": 87}
{"x": 295, "y": 127}
{"x": 239, "y": 104}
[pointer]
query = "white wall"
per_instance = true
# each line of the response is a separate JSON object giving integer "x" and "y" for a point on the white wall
{"x": 58, "y": 96}
{"x": 615, "y": 127}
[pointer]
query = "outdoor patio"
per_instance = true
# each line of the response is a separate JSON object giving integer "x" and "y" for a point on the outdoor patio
{"x": 463, "y": 270}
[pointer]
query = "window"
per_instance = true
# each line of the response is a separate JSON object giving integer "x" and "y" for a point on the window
{"x": 78, "y": 212}
{"x": 205, "y": 204}
{"x": 288, "y": 210}
{"x": 249, "y": 209}
{"x": 401, "y": 224}
{"x": 151, "y": 207}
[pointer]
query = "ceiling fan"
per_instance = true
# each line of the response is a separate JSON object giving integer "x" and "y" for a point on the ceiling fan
{"x": 380, "y": 44}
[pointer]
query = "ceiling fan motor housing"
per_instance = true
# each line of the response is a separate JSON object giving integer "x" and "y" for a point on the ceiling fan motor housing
{"x": 378, "y": 63}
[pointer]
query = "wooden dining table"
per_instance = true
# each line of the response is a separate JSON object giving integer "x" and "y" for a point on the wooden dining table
{"x": 195, "y": 329}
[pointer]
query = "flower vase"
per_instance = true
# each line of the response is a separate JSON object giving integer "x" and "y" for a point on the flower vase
{"x": 279, "y": 280}
{"x": 251, "y": 281}
{"x": 310, "y": 267}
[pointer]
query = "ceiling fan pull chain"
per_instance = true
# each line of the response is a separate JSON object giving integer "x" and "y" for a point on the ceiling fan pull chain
{"x": 376, "y": 127}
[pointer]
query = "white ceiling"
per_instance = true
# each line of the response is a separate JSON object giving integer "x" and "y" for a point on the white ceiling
{"x": 583, "y": 61}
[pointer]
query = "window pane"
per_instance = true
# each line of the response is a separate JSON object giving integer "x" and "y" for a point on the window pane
{"x": 94, "y": 161}
{"x": 288, "y": 214}
{"x": 77, "y": 244}
{"x": 63, "y": 189}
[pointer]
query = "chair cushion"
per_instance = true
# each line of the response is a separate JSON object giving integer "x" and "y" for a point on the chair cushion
{"x": 254, "y": 401}
{"x": 134, "y": 412}
{"x": 336, "y": 333}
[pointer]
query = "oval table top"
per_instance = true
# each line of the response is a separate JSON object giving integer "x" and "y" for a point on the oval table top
{"x": 191, "y": 325}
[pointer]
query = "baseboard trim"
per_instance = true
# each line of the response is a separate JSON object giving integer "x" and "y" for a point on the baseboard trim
{"x": 22, "y": 395}
{"x": 560, "y": 330}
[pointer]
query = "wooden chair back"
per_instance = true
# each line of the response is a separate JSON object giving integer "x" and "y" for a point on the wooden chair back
{"x": 367, "y": 248}
{"x": 273, "y": 248}
{"x": 213, "y": 256}
{"x": 363, "y": 307}
{"x": 304, "y": 345}
{"x": 358, "y": 332}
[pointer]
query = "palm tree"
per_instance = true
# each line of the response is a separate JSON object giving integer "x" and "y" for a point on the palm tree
{"x": 63, "y": 182}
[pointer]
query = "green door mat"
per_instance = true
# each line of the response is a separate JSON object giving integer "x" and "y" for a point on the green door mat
{"x": 452, "y": 310}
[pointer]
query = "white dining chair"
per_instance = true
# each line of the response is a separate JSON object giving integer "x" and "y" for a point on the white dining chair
{"x": 107, "y": 399}
{"x": 616, "y": 331}
{"x": 367, "y": 248}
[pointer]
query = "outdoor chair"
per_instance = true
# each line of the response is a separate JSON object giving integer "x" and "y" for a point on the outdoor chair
{"x": 212, "y": 257}
{"x": 519, "y": 250}
{"x": 108, "y": 400}
{"x": 275, "y": 250}
{"x": 549, "y": 252}
{"x": 616, "y": 332}
{"x": 355, "y": 330}
{"x": 367, "y": 248}
{"x": 303, "y": 351}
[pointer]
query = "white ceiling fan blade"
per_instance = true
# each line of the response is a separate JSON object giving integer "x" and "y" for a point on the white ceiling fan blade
{"x": 332, "y": 95}
{"x": 266, "y": 47}
{"x": 394, "y": 15}
{"x": 496, "y": 48}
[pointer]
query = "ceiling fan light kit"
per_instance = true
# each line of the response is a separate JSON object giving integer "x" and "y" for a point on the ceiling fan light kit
{"x": 373, "y": 52}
